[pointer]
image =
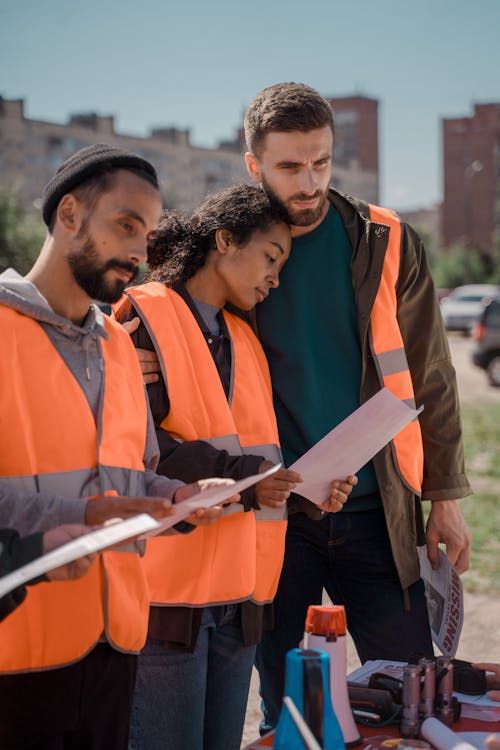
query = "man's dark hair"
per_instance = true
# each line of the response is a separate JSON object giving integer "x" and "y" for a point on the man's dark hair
{"x": 181, "y": 244}
{"x": 284, "y": 108}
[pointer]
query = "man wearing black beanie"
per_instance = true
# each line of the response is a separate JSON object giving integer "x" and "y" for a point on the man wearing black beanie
{"x": 78, "y": 446}
{"x": 92, "y": 163}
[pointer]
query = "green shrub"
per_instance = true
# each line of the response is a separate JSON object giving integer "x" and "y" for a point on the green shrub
{"x": 21, "y": 234}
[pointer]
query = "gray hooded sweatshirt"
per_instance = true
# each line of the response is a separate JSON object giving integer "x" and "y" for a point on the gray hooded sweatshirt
{"x": 80, "y": 348}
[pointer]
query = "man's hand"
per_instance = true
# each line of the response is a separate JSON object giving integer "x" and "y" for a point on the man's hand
{"x": 204, "y": 516}
{"x": 274, "y": 491}
{"x": 492, "y": 680}
{"x": 339, "y": 494}
{"x": 100, "y": 509}
{"x": 446, "y": 524}
{"x": 148, "y": 360}
{"x": 60, "y": 535}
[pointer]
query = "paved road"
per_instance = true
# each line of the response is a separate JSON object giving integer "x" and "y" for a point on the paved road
{"x": 472, "y": 381}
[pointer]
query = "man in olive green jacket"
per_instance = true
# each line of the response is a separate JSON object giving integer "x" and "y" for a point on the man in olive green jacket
{"x": 316, "y": 329}
{"x": 434, "y": 382}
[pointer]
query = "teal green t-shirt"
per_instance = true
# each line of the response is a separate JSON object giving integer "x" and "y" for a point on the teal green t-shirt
{"x": 308, "y": 328}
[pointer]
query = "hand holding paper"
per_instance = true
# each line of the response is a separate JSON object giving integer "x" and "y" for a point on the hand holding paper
{"x": 339, "y": 494}
{"x": 273, "y": 491}
{"x": 60, "y": 535}
{"x": 80, "y": 547}
{"x": 209, "y": 496}
{"x": 205, "y": 516}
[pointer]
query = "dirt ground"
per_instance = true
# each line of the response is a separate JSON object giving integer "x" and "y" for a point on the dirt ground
{"x": 480, "y": 639}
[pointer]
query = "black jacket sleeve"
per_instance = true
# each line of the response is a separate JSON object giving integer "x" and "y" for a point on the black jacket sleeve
{"x": 15, "y": 552}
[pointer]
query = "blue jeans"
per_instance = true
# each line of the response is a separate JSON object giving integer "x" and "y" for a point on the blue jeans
{"x": 349, "y": 555}
{"x": 194, "y": 701}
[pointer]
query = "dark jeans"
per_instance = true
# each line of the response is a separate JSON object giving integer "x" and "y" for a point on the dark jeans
{"x": 85, "y": 706}
{"x": 194, "y": 701}
{"x": 349, "y": 555}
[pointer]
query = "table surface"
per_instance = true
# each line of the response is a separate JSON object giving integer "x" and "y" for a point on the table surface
{"x": 462, "y": 725}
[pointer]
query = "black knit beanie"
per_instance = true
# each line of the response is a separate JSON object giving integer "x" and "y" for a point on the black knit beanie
{"x": 99, "y": 158}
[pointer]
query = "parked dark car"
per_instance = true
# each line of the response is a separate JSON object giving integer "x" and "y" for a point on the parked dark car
{"x": 486, "y": 334}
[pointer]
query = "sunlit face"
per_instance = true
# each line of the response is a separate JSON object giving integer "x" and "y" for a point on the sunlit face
{"x": 112, "y": 239}
{"x": 295, "y": 169}
{"x": 250, "y": 271}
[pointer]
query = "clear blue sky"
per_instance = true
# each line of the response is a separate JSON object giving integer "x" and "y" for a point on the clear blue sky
{"x": 197, "y": 64}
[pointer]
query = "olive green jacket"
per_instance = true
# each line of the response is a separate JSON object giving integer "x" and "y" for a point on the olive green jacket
{"x": 432, "y": 372}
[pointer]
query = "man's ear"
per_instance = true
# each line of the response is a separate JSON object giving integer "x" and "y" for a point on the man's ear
{"x": 253, "y": 167}
{"x": 223, "y": 241}
{"x": 67, "y": 212}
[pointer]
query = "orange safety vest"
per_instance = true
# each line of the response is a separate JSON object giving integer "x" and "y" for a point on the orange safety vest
{"x": 241, "y": 555}
{"x": 51, "y": 443}
{"x": 390, "y": 358}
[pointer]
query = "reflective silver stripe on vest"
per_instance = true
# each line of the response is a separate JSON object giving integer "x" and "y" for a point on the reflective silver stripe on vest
{"x": 392, "y": 361}
{"x": 233, "y": 508}
{"x": 229, "y": 443}
{"x": 82, "y": 483}
{"x": 272, "y": 514}
{"x": 269, "y": 451}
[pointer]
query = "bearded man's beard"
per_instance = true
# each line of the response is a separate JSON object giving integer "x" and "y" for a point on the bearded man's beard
{"x": 298, "y": 217}
{"x": 90, "y": 274}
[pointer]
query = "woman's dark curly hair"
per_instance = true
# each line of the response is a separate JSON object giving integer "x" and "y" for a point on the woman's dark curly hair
{"x": 180, "y": 245}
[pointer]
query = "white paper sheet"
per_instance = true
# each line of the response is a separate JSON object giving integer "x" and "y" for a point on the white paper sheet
{"x": 351, "y": 444}
{"x": 210, "y": 497}
{"x": 94, "y": 541}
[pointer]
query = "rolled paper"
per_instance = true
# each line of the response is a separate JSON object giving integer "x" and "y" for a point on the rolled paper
{"x": 443, "y": 738}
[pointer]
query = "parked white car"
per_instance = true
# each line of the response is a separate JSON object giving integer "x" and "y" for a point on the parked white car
{"x": 462, "y": 307}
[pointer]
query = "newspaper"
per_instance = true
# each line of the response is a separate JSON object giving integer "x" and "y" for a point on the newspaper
{"x": 445, "y": 602}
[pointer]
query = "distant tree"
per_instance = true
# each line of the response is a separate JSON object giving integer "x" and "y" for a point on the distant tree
{"x": 460, "y": 265}
{"x": 21, "y": 234}
{"x": 495, "y": 276}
